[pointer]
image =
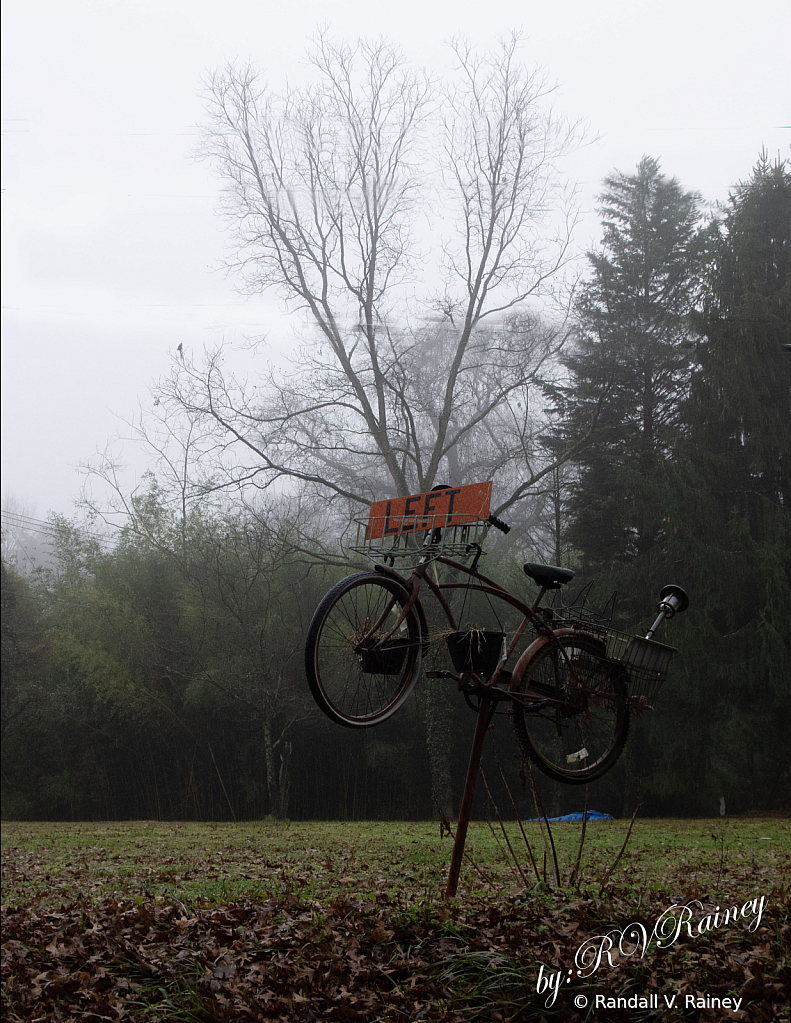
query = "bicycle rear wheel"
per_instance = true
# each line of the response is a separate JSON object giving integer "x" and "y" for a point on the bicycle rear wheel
{"x": 360, "y": 660}
{"x": 573, "y": 719}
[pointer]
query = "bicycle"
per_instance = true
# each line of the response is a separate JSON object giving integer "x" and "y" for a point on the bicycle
{"x": 571, "y": 691}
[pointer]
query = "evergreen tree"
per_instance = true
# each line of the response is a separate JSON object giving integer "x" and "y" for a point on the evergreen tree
{"x": 730, "y": 522}
{"x": 741, "y": 405}
{"x": 631, "y": 364}
{"x": 689, "y": 481}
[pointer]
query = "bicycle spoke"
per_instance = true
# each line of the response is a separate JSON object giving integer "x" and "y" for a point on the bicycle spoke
{"x": 579, "y": 733}
{"x": 363, "y": 650}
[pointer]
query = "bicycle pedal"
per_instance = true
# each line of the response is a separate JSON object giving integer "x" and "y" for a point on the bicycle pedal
{"x": 441, "y": 674}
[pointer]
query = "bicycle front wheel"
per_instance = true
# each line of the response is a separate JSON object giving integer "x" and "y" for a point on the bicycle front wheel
{"x": 363, "y": 654}
{"x": 572, "y": 718}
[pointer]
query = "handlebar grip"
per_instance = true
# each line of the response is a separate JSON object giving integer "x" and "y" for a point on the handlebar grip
{"x": 493, "y": 520}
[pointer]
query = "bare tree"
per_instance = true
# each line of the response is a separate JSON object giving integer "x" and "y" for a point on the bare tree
{"x": 422, "y": 228}
{"x": 338, "y": 194}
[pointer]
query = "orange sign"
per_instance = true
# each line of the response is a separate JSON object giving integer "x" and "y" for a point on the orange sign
{"x": 433, "y": 510}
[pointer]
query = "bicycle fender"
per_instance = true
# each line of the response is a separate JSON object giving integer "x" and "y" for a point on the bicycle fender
{"x": 421, "y": 614}
{"x": 541, "y": 641}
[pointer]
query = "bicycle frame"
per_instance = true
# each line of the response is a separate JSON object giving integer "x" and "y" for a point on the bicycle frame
{"x": 531, "y": 617}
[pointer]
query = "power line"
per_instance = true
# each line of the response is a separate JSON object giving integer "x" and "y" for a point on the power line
{"x": 47, "y": 529}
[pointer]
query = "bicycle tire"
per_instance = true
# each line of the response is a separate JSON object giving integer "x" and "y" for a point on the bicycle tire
{"x": 358, "y": 671}
{"x": 574, "y": 705}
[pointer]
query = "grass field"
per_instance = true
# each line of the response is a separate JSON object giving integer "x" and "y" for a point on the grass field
{"x": 220, "y": 862}
{"x": 347, "y": 921}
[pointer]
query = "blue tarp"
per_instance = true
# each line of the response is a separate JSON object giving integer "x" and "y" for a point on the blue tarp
{"x": 593, "y": 815}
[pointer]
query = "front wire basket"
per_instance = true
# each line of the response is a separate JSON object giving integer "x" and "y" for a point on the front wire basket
{"x": 646, "y": 663}
{"x": 426, "y": 537}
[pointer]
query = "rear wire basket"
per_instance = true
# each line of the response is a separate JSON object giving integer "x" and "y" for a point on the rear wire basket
{"x": 432, "y": 540}
{"x": 645, "y": 660}
{"x": 646, "y": 663}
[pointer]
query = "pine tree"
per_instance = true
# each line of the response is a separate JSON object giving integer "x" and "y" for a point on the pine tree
{"x": 730, "y": 523}
{"x": 742, "y": 390}
{"x": 694, "y": 487}
{"x": 632, "y": 360}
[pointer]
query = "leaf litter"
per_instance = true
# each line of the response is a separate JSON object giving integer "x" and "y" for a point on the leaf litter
{"x": 335, "y": 935}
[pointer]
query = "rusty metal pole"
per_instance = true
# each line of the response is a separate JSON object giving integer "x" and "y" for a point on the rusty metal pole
{"x": 485, "y": 713}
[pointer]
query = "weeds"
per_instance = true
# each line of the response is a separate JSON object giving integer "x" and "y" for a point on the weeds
{"x": 542, "y": 815}
{"x": 575, "y": 872}
{"x": 608, "y": 873}
{"x": 574, "y": 877}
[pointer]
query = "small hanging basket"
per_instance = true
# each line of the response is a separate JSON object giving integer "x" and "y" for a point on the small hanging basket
{"x": 476, "y": 650}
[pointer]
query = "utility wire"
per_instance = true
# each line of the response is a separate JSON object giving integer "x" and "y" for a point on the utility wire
{"x": 41, "y": 527}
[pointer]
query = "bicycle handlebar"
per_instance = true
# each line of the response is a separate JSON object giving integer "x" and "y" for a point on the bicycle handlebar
{"x": 499, "y": 524}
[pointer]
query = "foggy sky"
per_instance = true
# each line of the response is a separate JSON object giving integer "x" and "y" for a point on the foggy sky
{"x": 111, "y": 241}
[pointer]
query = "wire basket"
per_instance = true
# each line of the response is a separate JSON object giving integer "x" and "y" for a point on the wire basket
{"x": 423, "y": 539}
{"x": 646, "y": 662}
{"x": 582, "y": 618}
{"x": 578, "y": 613}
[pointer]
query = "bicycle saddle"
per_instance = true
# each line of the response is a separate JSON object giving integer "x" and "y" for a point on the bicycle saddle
{"x": 549, "y": 576}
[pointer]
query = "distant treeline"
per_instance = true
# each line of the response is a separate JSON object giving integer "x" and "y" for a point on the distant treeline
{"x": 162, "y": 677}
